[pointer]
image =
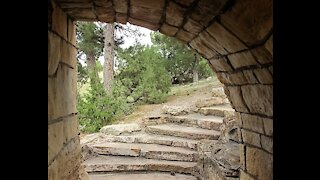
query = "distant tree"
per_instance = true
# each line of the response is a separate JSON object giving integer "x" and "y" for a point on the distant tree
{"x": 182, "y": 63}
{"x": 91, "y": 41}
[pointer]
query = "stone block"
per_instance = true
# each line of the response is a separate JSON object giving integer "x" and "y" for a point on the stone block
{"x": 232, "y": 78}
{"x": 145, "y": 24}
{"x": 220, "y": 64}
{"x": 174, "y": 14}
{"x": 236, "y": 99}
{"x": 193, "y": 26}
{"x": 184, "y": 36}
{"x": 252, "y": 122}
{"x": 168, "y": 30}
{"x": 259, "y": 163}
{"x": 53, "y": 52}
{"x": 55, "y": 140}
{"x": 242, "y": 59}
{"x": 267, "y": 143}
{"x": 200, "y": 46}
{"x": 212, "y": 43}
{"x": 263, "y": 75}
{"x": 121, "y": 6}
{"x": 121, "y": 18}
{"x": 59, "y": 21}
{"x": 250, "y": 20}
{"x": 259, "y": 98}
{"x": 225, "y": 38}
{"x": 251, "y": 138}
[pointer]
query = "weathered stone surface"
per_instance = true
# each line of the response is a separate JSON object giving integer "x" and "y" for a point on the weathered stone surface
{"x": 268, "y": 126}
{"x": 206, "y": 10}
{"x": 252, "y": 122}
{"x": 259, "y": 98}
{"x": 121, "y": 6}
{"x": 110, "y": 163}
{"x": 70, "y": 128}
{"x": 68, "y": 54}
{"x": 212, "y": 43}
{"x": 242, "y": 59}
{"x": 218, "y": 92}
{"x": 267, "y": 143}
{"x": 121, "y": 18}
{"x": 185, "y": 2}
{"x": 206, "y": 145}
{"x": 145, "y": 24}
{"x": 175, "y": 110}
{"x": 147, "y": 14}
{"x": 89, "y": 138}
{"x": 104, "y": 11}
{"x": 192, "y": 26}
{"x": 232, "y": 78}
{"x": 72, "y": 32}
{"x": 269, "y": 45}
{"x": 108, "y": 18}
{"x": 174, "y": 14}
{"x": 55, "y": 140}
{"x": 245, "y": 176}
{"x": 141, "y": 176}
{"x": 62, "y": 93}
{"x": 259, "y": 163}
{"x": 149, "y": 151}
{"x": 220, "y": 64}
{"x": 262, "y": 55}
{"x": 103, "y": 3}
{"x": 235, "y": 98}
{"x": 69, "y": 160}
{"x": 222, "y": 162}
{"x": 271, "y": 69}
{"x": 200, "y": 46}
{"x": 148, "y": 4}
{"x": 225, "y": 38}
{"x": 59, "y": 21}
{"x": 248, "y": 74}
{"x": 229, "y": 130}
{"x": 210, "y": 102}
{"x": 118, "y": 129}
{"x": 264, "y": 76}
{"x": 53, "y": 52}
{"x": 53, "y": 171}
{"x": 250, "y": 20}
{"x": 83, "y": 175}
{"x": 183, "y": 131}
{"x": 250, "y": 137}
{"x": 197, "y": 120}
{"x": 84, "y": 13}
{"x": 242, "y": 148}
{"x": 168, "y": 30}
{"x": 184, "y": 35}
{"x": 70, "y": 5}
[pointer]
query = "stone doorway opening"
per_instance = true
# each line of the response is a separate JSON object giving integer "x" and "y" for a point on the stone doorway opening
{"x": 235, "y": 37}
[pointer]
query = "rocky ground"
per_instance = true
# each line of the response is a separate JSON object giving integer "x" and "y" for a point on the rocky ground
{"x": 192, "y": 136}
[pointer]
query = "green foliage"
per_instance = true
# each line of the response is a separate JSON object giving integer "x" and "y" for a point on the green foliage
{"x": 97, "y": 109}
{"x": 143, "y": 73}
{"x": 90, "y": 38}
{"x": 179, "y": 58}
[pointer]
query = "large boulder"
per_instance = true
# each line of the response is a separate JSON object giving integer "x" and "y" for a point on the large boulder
{"x": 219, "y": 161}
{"x": 118, "y": 129}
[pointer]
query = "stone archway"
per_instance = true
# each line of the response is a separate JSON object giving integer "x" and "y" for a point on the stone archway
{"x": 234, "y": 36}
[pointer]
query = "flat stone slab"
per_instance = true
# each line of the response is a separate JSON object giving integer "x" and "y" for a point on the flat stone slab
{"x": 150, "y": 151}
{"x": 118, "y": 129}
{"x": 218, "y": 110}
{"x": 142, "y": 176}
{"x": 122, "y": 163}
{"x": 155, "y": 139}
{"x": 198, "y": 120}
{"x": 183, "y": 131}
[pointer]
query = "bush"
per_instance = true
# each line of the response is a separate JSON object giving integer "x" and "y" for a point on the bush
{"x": 97, "y": 109}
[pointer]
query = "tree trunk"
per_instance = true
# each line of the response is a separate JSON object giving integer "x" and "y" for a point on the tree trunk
{"x": 195, "y": 69}
{"x": 91, "y": 63}
{"x": 108, "y": 57}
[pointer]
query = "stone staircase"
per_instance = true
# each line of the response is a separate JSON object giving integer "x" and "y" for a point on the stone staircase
{"x": 167, "y": 149}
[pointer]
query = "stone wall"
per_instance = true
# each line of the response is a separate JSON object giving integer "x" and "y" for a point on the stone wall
{"x": 63, "y": 139}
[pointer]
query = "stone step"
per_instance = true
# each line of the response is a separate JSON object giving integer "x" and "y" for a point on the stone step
{"x": 128, "y": 164}
{"x": 198, "y": 120}
{"x": 155, "y": 139}
{"x": 219, "y": 110}
{"x": 149, "y": 151}
{"x": 183, "y": 131}
{"x": 141, "y": 176}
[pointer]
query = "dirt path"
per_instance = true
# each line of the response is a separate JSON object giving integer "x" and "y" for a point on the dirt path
{"x": 186, "y": 95}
